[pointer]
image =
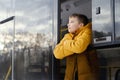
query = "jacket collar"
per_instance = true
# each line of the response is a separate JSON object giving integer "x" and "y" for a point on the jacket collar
{"x": 89, "y": 25}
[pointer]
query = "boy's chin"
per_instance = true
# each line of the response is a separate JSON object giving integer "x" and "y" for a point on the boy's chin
{"x": 71, "y": 31}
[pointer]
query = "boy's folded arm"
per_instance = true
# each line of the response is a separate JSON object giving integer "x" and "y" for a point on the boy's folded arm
{"x": 79, "y": 45}
{"x": 60, "y": 52}
{"x": 66, "y": 37}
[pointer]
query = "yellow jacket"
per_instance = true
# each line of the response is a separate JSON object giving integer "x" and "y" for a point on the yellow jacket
{"x": 69, "y": 46}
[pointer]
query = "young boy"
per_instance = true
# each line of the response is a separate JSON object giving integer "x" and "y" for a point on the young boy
{"x": 73, "y": 46}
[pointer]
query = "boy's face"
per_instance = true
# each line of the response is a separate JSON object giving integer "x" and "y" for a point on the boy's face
{"x": 74, "y": 24}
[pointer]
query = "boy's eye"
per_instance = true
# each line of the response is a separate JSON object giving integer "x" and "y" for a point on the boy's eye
{"x": 71, "y": 21}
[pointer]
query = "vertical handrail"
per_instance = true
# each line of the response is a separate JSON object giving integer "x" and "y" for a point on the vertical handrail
{"x": 13, "y": 52}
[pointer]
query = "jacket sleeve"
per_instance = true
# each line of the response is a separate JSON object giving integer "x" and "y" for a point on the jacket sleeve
{"x": 80, "y": 44}
{"x": 60, "y": 52}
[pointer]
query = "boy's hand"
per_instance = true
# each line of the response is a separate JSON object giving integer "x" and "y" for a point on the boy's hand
{"x": 66, "y": 37}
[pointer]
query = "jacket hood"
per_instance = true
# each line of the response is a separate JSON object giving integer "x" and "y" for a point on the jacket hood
{"x": 89, "y": 26}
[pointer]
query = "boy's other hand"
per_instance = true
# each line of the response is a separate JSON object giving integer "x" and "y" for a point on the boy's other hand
{"x": 67, "y": 36}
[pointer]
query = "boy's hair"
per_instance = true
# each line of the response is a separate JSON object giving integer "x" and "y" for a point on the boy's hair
{"x": 82, "y": 18}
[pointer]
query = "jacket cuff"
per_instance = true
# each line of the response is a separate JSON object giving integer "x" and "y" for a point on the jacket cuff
{"x": 59, "y": 55}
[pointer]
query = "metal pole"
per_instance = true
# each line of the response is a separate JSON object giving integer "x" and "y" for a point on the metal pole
{"x": 13, "y": 52}
{"x": 54, "y": 30}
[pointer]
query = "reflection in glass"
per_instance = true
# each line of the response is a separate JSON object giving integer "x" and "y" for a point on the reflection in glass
{"x": 33, "y": 39}
{"x": 117, "y": 19}
{"x": 102, "y": 22}
{"x": 6, "y": 48}
{"x": 5, "y": 9}
{"x": 109, "y": 63}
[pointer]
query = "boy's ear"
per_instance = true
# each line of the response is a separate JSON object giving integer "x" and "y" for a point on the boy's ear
{"x": 81, "y": 24}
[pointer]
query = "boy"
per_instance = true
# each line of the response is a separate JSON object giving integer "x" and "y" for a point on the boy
{"x": 73, "y": 46}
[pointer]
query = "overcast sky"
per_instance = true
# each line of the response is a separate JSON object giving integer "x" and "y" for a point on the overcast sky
{"x": 35, "y": 15}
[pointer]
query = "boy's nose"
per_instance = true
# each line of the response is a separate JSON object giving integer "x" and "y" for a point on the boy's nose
{"x": 68, "y": 24}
